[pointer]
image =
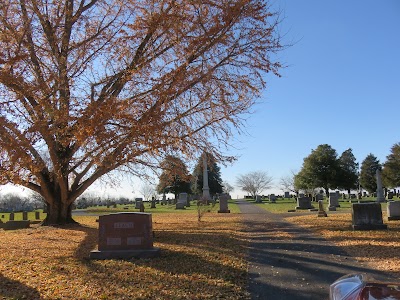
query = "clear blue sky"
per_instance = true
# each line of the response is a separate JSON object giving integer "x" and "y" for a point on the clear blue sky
{"x": 341, "y": 87}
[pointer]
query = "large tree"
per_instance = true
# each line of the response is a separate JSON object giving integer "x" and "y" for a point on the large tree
{"x": 175, "y": 177}
{"x": 214, "y": 176}
{"x": 348, "y": 171}
{"x": 391, "y": 167}
{"x": 90, "y": 86}
{"x": 254, "y": 182}
{"x": 320, "y": 169}
{"x": 368, "y": 172}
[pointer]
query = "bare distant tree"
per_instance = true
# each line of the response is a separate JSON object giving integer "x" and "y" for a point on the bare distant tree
{"x": 37, "y": 200}
{"x": 147, "y": 190}
{"x": 287, "y": 182}
{"x": 226, "y": 187}
{"x": 254, "y": 182}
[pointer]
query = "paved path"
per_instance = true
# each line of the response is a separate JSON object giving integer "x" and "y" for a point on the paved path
{"x": 289, "y": 262}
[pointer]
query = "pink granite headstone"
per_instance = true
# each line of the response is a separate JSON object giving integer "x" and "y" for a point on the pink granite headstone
{"x": 125, "y": 235}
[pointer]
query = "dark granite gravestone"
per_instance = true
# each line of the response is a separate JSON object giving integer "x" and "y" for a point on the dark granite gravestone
{"x": 182, "y": 200}
{"x": 180, "y": 205}
{"x": 125, "y": 235}
{"x": 333, "y": 201}
{"x": 272, "y": 198}
{"x": 304, "y": 203}
{"x": 13, "y": 225}
{"x": 164, "y": 200}
{"x": 153, "y": 202}
{"x": 367, "y": 216}
{"x": 138, "y": 202}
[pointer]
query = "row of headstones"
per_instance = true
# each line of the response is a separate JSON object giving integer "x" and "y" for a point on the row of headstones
{"x": 184, "y": 201}
{"x": 305, "y": 202}
{"x": 367, "y": 216}
{"x": 24, "y": 216}
{"x": 390, "y": 195}
{"x": 271, "y": 197}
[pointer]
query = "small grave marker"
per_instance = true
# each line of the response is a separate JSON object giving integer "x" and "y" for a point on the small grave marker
{"x": 393, "y": 210}
{"x": 321, "y": 211}
{"x": 182, "y": 201}
{"x": 223, "y": 204}
{"x": 138, "y": 202}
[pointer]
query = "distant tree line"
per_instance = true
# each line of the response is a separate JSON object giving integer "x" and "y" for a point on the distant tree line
{"x": 12, "y": 202}
{"x": 323, "y": 168}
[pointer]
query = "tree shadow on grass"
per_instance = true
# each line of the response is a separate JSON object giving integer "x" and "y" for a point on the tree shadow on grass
{"x": 88, "y": 244}
{"x": 188, "y": 258}
{"x": 182, "y": 262}
{"x": 13, "y": 289}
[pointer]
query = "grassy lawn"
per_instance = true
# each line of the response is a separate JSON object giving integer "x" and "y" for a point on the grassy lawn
{"x": 99, "y": 210}
{"x": 283, "y": 205}
{"x": 169, "y": 208}
{"x": 18, "y": 216}
{"x": 198, "y": 261}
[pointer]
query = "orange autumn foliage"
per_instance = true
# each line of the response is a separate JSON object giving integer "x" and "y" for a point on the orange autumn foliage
{"x": 88, "y": 87}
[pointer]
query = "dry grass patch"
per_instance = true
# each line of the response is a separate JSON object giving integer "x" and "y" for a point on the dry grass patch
{"x": 198, "y": 261}
{"x": 379, "y": 249}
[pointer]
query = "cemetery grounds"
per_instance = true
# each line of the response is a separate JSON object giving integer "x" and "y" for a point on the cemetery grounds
{"x": 199, "y": 260}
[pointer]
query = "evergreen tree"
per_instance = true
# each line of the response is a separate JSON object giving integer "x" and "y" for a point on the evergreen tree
{"x": 348, "y": 171}
{"x": 391, "y": 168}
{"x": 320, "y": 169}
{"x": 175, "y": 177}
{"x": 368, "y": 173}
{"x": 214, "y": 176}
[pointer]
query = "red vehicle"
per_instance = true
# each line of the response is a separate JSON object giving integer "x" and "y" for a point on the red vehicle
{"x": 362, "y": 287}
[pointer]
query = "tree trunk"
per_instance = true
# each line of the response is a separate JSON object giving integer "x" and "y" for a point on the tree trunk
{"x": 327, "y": 192}
{"x": 58, "y": 213}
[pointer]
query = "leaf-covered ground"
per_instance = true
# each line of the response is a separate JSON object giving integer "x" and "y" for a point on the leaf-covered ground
{"x": 198, "y": 261}
{"x": 378, "y": 249}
